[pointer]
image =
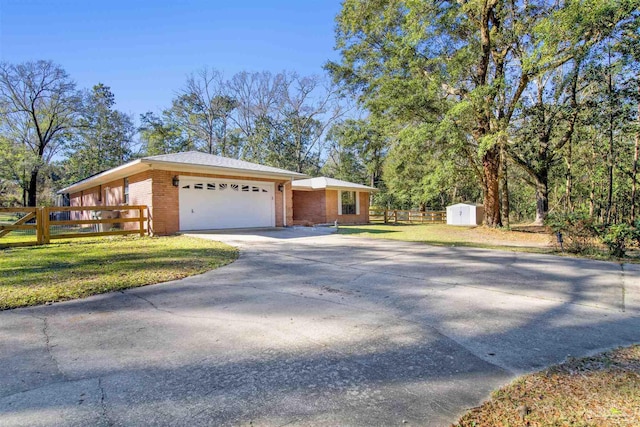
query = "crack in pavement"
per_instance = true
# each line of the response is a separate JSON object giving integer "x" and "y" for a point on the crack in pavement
{"x": 103, "y": 404}
{"x": 48, "y": 346}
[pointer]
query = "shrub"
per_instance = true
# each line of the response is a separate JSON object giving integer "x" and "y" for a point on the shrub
{"x": 618, "y": 237}
{"x": 579, "y": 232}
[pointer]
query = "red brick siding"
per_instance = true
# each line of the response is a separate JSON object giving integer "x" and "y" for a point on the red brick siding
{"x": 140, "y": 186}
{"x": 309, "y": 206}
{"x": 112, "y": 194}
{"x": 332, "y": 209}
{"x": 321, "y": 207}
{"x": 289, "y": 196}
{"x": 164, "y": 206}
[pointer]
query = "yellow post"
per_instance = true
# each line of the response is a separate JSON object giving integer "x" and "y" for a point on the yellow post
{"x": 45, "y": 226}
{"x": 39, "y": 228}
{"x": 141, "y": 213}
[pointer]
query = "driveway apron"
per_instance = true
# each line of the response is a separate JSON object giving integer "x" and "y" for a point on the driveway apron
{"x": 310, "y": 328}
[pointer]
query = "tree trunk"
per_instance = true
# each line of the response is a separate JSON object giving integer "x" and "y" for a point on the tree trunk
{"x": 505, "y": 190}
{"x": 542, "y": 198}
{"x": 32, "y": 190}
{"x": 636, "y": 150}
{"x": 634, "y": 175}
{"x": 491, "y": 170}
{"x": 610, "y": 155}
{"x": 569, "y": 176}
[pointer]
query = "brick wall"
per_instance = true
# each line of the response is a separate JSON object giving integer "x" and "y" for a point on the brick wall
{"x": 332, "y": 209}
{"x": 112, "y": 194}
{"x": 309, "y": 206}
{"x": 289, "y": 195}
{"x": 164, "y": 206}
{"x": 140, "y": 186}
{"x": 321, "y": 207}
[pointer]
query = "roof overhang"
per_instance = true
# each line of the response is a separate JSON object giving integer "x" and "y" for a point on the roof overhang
{"x": 334, "y": 187}
{"x": 142, "y": 165}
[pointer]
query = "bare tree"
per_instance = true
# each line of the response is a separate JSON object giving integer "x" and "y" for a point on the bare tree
{"x": 312, "y": 106}
{"x": 40, "y": 107}
{"x": 260, "y": 99}
{"x": 204, "y": 108}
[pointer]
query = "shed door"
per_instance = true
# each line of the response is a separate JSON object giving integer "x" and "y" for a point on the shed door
{"x": 461, "y": 215}
{"x": 208, "y": 203}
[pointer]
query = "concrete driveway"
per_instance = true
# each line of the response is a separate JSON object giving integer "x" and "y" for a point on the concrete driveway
{"x": 312, "y": 329}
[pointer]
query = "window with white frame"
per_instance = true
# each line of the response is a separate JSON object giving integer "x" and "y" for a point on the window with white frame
{"x": 348, "y": 203}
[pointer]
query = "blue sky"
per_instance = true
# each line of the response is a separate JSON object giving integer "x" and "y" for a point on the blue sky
{"x": 144, "y": 50}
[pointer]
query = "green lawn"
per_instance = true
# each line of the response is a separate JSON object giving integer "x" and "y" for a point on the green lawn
{"x": 449, "y": 235}
{"x": 77, "y": 268}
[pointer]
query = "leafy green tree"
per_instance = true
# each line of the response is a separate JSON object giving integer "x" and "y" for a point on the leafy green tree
{"x": 357, "y": 152}
{"x": 545, "y": 124}
{"x": 104, "y": 138}
{"x": 40, "y": 108}
{"x": 478, "y": 55}
{"x": 161, "y": 135}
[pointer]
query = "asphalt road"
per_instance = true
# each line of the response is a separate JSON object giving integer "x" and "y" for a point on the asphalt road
{"x": 312, "y": 329}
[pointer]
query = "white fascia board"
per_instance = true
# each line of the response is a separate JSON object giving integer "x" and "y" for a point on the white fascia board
{"x": 340, "y": 188}
{"x": 122, "y": 171}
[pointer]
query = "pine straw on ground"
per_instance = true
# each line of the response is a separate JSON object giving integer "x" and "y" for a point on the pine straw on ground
{"x": 598, "y": 391}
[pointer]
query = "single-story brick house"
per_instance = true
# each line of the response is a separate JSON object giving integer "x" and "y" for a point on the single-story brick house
{"x": 199, "y": 191}
{"x": 325, "y": 200}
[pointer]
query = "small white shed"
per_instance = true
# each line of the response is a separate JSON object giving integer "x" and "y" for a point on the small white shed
{"x": 465, "y": 214}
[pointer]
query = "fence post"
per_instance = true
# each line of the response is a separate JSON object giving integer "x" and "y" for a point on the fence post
{"x": 45, "y": 226}
{"x": 39, "y": 227}
{"x": 141, "y": 213}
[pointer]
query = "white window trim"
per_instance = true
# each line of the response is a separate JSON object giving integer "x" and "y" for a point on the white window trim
{"x": 357, "y": 195}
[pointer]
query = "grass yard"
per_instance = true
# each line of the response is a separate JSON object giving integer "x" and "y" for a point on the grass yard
{"x": 449, "y": 235}
{"x": 598, "y": 391}
{"x": 78, "y": 268}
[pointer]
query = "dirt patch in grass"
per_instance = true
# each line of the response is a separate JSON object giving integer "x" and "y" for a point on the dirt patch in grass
{"x": 599, "y": 391}
{"x": 83, "y": 267}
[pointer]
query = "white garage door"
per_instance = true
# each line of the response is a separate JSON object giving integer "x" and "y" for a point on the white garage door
{"x": 208, "y": 203}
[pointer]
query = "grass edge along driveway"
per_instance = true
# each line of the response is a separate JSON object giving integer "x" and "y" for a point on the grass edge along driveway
{"x": 79, "y": 268}
{"x": 597, "y": 391}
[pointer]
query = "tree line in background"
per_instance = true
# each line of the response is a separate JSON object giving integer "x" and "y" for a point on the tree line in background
{"x": 529, "y": 107}
{"x": 53, "y": 134}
